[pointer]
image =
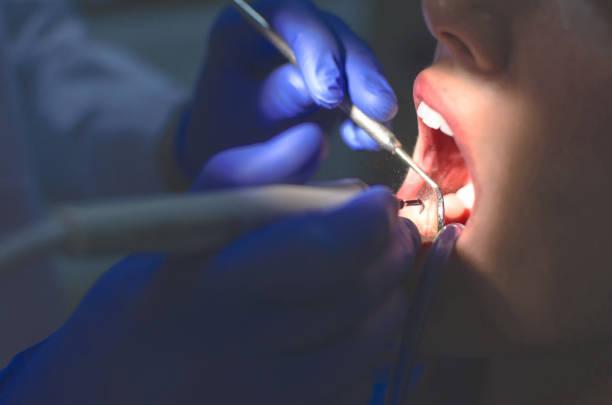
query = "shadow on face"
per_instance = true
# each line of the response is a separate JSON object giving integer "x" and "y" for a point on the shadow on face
{"x": 526, "y": 87}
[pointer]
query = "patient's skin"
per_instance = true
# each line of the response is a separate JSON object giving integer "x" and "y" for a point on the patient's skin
{"x": 527, "y": 86}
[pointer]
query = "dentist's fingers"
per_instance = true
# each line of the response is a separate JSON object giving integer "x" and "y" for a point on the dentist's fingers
{"x": 368, "y": 88}
{"x": 356, "y": 138}
{"x": 307, "y": 257}
{"x": 316, "y": 48}
{"x": 284, "y": 95}
{"x": 337, "y": 309}
{"x": 290, "y": 158}
{"x": 235, "y": 46}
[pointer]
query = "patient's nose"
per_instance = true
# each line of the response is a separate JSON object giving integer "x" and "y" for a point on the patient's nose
{"x": 471, "y": 32}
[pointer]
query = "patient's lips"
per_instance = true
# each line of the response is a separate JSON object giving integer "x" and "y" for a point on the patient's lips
{"x": 440, "y": 157}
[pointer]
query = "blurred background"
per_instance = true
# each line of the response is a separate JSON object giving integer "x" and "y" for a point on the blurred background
{"x": 171, "y": 35}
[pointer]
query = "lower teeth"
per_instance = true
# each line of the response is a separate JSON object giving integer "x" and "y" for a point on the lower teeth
{"x": 466, "y": 195}
{"x": 458, "y": 206}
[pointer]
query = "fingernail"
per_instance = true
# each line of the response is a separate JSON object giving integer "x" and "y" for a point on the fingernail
{"x": 379, "y": 86}
{"x": 386, "y": 106}
{"x": 331, "y": 85}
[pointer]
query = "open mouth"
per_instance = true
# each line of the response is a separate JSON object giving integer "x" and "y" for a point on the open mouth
{"x": 437, "y": 152}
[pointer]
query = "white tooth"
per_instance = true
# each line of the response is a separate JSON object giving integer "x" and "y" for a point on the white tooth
{"x": 446, "y": 129}
{"x": 466, "y": 195}
{"x": 429, "y": 116}
{"x": 433, "y": 119}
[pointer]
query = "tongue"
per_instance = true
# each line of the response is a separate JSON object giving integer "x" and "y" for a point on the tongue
{"x": 458, "y": 206}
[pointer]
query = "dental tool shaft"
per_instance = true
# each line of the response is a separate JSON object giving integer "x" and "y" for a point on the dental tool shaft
{"x": 376, "y": 130}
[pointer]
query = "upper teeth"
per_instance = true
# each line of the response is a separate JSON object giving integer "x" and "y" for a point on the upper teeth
{"x": 433, "y": 119}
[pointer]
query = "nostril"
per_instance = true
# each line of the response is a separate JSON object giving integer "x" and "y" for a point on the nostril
{"x": 483, "y": 51}
{"x": 457, "y": 46}
{"x": 471, "y": 31}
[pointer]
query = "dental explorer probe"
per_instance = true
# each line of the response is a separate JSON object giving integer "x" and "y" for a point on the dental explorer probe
{"x": 376, "y": 130}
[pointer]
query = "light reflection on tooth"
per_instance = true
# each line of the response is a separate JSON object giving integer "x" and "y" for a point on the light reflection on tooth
{"x": 429, "y": 116}
{"x": 455, "y": 209}
{"x": 466, "y": 195}
{"x": 446, "y": 129}
{"x": 433, "y": 119}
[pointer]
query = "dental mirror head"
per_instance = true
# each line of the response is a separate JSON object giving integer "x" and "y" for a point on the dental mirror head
{"x": 429, "y": 218}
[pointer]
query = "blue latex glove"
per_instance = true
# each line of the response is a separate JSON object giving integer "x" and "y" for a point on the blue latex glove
{"x": 248, "y": 92}
{"x": 289, "y": 158}
{"x": 300, "y": 312}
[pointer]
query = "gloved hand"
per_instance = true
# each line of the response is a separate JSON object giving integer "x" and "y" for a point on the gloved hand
{"x": 300, "y": 312}
{"x": 248, "y": 92}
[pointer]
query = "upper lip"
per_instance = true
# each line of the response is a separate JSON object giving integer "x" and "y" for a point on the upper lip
{"x": 424, "y": 91}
